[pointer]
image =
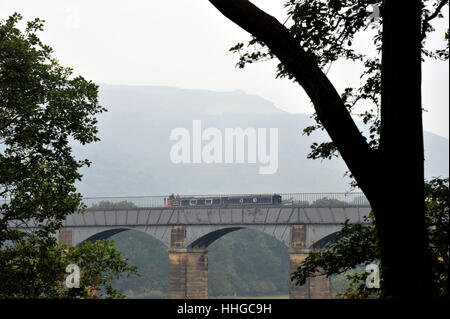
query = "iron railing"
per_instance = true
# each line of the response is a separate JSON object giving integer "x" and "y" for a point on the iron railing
{"x": 297, "y": 199}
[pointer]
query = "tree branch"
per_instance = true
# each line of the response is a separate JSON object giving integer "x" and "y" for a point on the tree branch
{"x": 329, "y": 106}
{"x": 8, "y": 123}
{"x": 427, "y": 20}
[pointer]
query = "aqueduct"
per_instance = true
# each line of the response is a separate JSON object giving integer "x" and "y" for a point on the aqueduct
{"x": 188, "y": 231}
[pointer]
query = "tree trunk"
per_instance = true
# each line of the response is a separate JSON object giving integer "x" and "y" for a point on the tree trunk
{"x": 398, "y": 203}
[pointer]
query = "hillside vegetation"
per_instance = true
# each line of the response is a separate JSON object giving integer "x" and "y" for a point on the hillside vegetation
{"x": 242, "y": 263}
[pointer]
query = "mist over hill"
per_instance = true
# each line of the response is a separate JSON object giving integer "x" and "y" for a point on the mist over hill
{"x": 133, "y": 156}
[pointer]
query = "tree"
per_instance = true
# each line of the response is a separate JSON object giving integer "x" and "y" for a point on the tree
{"x": 358, "y": 245}
{"x": 105, "y": 204}
{"x": 437, "y": 221}
{"x": 328, "y": 202}
{"x": 42, "y": 108}
{"x": 390, "y": 161}
{"x": 42, "y": 274}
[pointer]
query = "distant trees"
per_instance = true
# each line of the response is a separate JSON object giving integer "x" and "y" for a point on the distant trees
{"x": 105, "y": 204}
{"x": 151, "y": 256}
{"x": 235, "y": 265}
{"x": 325, "y": 202}
{"x": 329, "y": 202}
{"x": 292, "y": 201}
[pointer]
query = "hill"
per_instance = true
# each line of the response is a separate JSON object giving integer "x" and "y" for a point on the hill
{"x": 133, "y": 156}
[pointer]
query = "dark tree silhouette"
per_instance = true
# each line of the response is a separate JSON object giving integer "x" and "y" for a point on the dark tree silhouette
{"x": 395, "y": 167}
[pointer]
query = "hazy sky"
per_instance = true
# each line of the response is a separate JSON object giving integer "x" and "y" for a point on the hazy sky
{"x": 185, "y": 44}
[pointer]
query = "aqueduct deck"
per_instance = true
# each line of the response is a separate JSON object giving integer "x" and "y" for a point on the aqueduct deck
{"x": 187, "y": 231}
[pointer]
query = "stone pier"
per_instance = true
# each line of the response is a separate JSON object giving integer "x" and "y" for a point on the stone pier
{"x": 197, "y": 274}
{"x": 188, "y": 268}
{"x": 296, "y": 257}
{"x": 315, "y": 287}
{"x": 65, "y": 236}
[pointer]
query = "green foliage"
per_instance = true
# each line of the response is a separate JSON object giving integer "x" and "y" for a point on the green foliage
{"x": 328, "y": 202}
{"x": 292, "y": 201}
{"x": 100, "y": 264}
{"x": 348, "y": 285}
{"x": 151, "y": 256}
{"x": 325, "y": 29}
{"x": 33, "y": 270}
{"x": 42, "y": 107}
{"x": 105, "y": 204}
{"x": 354, "y": 286}
{"x": 357, "y": 246}
{"x": 299, "y": 202}
{"x": 437, "y": 219}
{"x": 324, "y": 202}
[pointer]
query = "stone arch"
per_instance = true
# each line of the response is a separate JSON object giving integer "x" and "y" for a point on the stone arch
{"x": 206, "y": 236}
{"x": 103, "y": 235}
{"x": 80, "y": 235}
{"x": 325, "y": 241}
{"x": 211, "y": 237}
